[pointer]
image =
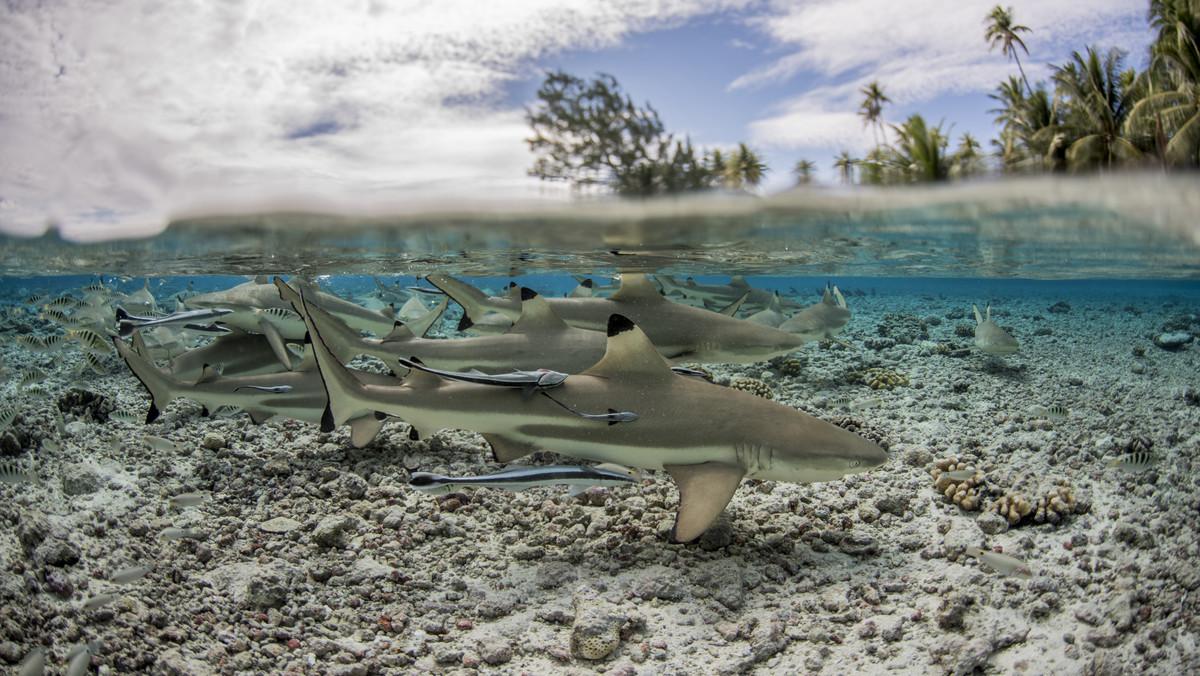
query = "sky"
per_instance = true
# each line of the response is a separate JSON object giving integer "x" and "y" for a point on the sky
{"x": 116, "y": 115}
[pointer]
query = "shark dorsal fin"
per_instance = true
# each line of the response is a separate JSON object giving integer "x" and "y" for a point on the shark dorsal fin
{"x": 536, "y": 314}
{"x": 308, "y": 362}
{"x": 774, "y": 306}
{"x": 978, "y": 317}
{"x": 261, "y": 279}
{"x": 827, "y": 297}
{"x": 399, "y": 332}
{"x": 139, "y": 344}
{"x": 739, "y": 281}
{"x": 989, "y": 312}
{"x": 629, "y": 352}
{"x": 514, "y": 291}
{"x": 636, "y": 287}
{"x": 207, "y": 375}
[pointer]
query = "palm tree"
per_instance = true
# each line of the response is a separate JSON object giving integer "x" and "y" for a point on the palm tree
{"x": 845, "y": 163}
{"x": 1023, "y": 119}
{"x": 1167, "y": 116}
{"x": 804, "y": 171}
{"x": 921, "y": 149}
{"x": 872, "y": 107}
{"x": 1098, "y": 102}
{"x": 750, "y": 168}
{"x": 1002, "y": 31}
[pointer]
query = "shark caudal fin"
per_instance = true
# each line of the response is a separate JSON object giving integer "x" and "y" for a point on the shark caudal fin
{"x": 163, "y": 387}
{"x": 474, "y": 302}
{"x": 420, "y": 326}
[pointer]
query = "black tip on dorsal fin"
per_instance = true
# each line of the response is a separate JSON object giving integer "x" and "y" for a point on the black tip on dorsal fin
{"x": 618, "y": 324}
{"x": 204, "y": 412}
{"x": 152, "y": 414}
{"x": 528, "y": 293}
{"x": 413, "y": 434}
{"x": 465, "y": 323}
{"x": 587, "y": 284}
{"x": 307, "y": 338}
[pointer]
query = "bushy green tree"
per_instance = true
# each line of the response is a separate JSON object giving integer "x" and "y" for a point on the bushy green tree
{"x": 589, "y": 133}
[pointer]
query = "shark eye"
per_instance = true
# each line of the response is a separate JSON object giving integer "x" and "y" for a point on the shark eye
{"x": 855, "y": 463}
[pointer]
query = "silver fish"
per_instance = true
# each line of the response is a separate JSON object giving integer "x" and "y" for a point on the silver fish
{"x": 80, "y": 657}
{"x": 865, "y": 403}
{"x": 127, "y": 323}
{"x": 160, "y": 444}
{"x": 579, "y": 477}
{"x": 34, "y": 663}
{"x": 1001, "y": 563}
{"x": 97, "y": 601}
{"x": 131, "y": 574}
{"x": 275, "y": 389}
{"x": 189, "y": 499}
{"x": 173, "y": 533}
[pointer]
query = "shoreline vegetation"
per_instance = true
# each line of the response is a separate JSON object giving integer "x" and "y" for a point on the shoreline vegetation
{"x": 1095, "y": 114}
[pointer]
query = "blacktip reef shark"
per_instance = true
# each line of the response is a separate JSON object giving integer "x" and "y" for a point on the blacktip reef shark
{"x": 679, "y": 332}
{"x": 263, "y": 397}
{"x": 578, "y": 477}
{"x": 237, "y": 353}
{"x": 820, "y": 321}
{"x": 990, "y": 338}
{"x": 538, "y": 340}
{"x": 707, "y": 437}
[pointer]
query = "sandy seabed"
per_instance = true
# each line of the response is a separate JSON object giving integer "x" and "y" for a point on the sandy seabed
{"x": 315, "y": 558}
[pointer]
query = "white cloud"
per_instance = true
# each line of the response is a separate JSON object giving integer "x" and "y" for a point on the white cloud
{"x": 121, "y": 112}
{"x": 918, "y": 50}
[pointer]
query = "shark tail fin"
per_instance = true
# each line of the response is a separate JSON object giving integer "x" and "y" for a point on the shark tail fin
{"x": 474, "y": 302}
{"x": 161, "y": 386}
{"x": 344, "y": 392}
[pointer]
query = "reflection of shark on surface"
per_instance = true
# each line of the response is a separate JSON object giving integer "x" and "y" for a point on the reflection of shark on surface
{"x": 989, "y": 337}
{"x": 821, "y": 321}
{"x": 678, "y": 331}
{"x": 707, "y": 437}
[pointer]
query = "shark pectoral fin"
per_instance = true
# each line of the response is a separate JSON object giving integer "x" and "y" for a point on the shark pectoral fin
{"x": 507, "y": 450}
{"x": 576, "y": 490}
{"x": 363, "y": 430}
{"x": 275, "y": 340}
{"x": 259, "y": 417}
{"x": 704, "y": 491}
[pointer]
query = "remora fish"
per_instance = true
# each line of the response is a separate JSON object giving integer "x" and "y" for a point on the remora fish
{"x": 305, "y": 401}
{"x": 705, "y": 436}
{"x": 538, "y": 339}
{"x": 578, "y": 477}
{"x": 989, "y": 337}
{"x": 820, "y": 321}
{"x": 677, "y": 331}
{"x": 528, "y": 381}
{"x": 716, "y": 296}
{"x": 127, "y": 323}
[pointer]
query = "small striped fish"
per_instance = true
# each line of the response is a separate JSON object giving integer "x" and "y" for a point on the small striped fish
{"x": 96, "y": 362}
{"x": 579, "y": 477}
{"x": 841, "y": 401}
{"x": 12, "y": 473}
{"x": 34, "y": 300}
{"x": 91, "y": 340}
{"x": 96, "y": 288}
{"x": 50, "y": 315}
{"x": 32, "y": 343}
{"x": 121, "y": 415}
{"x": 36, "y": 392}
{"x": 865, "y": 403}
{"x": 7, "y": 415}
{"x": 61, "y": 303}
{"x": 54, "y": 343}
{"x": 282, "y": 314}
{"x": 30, "y": 377}
{"x": 1134, "y": 462}
{"x": 1051, "y": 413}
